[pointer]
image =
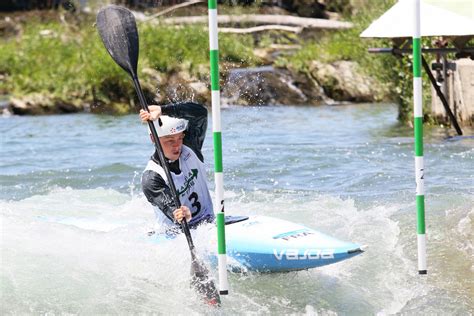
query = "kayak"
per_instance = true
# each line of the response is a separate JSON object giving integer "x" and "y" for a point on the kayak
{"x": 253, "y": 243}
{"x": 267, "y": 244}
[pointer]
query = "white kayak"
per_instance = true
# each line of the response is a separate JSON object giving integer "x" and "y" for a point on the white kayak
{"x": 267, "y": 244}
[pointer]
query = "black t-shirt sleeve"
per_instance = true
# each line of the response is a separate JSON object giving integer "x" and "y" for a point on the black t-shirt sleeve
{"x": 158, "y": 193}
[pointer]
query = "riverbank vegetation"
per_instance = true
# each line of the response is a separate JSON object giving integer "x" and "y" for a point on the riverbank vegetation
{"x": 393, "y": 75}
{"x": 55, "y": 59}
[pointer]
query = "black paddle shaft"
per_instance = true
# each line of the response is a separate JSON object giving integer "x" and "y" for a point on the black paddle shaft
{"x": 118, "y": 30}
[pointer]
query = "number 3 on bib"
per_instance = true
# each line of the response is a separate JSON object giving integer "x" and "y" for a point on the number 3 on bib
{"x": 195, "y": 204}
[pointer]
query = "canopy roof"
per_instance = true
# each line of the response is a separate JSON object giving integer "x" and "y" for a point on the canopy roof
{"x": 461, "y": 7}
{"x": 435, "y": 21}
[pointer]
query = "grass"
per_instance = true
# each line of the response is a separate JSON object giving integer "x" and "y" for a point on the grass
{"x": 69, "y": 62}
{"x": 168, "y": 49}
{"x": 49, "y": 59}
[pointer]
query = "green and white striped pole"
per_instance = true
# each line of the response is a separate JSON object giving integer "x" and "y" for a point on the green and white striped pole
{"x": 216, "y": 129}
{"x": 418, "y": 123}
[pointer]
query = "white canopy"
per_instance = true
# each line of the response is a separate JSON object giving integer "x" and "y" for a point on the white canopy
{"x": 435, "y": 21}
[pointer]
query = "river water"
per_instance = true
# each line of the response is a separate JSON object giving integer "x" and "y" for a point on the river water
{"x": 347, "y": 171}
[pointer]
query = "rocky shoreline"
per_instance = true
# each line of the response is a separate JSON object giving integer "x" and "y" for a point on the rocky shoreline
{"x": 333, "y": 83}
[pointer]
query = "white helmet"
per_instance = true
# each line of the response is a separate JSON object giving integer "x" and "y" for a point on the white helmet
{"x": 170, "y": 125}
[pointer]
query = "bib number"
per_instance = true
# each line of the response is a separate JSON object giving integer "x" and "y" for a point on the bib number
{"x": 193, "y": 198}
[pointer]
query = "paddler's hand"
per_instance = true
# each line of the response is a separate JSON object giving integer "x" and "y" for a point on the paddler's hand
{"x": 181, "y": 212}
{"x": 155, "y": 112}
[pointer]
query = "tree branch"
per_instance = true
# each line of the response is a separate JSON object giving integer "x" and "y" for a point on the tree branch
{"x": 260, "y": 19}
{"x": 170, "y": 9}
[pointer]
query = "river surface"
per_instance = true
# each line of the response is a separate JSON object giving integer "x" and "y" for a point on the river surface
{"x": 347, "y": 171}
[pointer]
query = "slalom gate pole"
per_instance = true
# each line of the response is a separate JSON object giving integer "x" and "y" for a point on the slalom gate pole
{"x": 216, "y": 130}
{"x": 418, "y": 130}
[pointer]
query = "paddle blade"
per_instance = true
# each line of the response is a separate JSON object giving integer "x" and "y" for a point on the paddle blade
{"x": 118, "y": 30}
{"x": 203, "y": 284}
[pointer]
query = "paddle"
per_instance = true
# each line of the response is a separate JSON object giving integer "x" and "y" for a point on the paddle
{"x": 118, "y": 30}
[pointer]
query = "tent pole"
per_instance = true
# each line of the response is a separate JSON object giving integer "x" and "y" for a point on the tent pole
{"x": 441, "y": 96}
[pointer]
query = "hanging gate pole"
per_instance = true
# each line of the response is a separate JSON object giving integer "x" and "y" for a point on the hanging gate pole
{"x": 418, "y": 127}
{"x": 216, "y": 130}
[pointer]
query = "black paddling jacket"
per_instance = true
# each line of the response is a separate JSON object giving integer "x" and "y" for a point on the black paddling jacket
{"x": 154, "y": 186}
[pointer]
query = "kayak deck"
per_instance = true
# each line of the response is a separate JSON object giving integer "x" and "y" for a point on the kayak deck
{"x": 266, "y": 244}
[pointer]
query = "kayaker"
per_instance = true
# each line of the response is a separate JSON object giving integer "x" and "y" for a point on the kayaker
{"x": 181, "y": 129}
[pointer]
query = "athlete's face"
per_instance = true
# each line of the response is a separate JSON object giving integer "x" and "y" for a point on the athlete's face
{"x": 171, "y": 145}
